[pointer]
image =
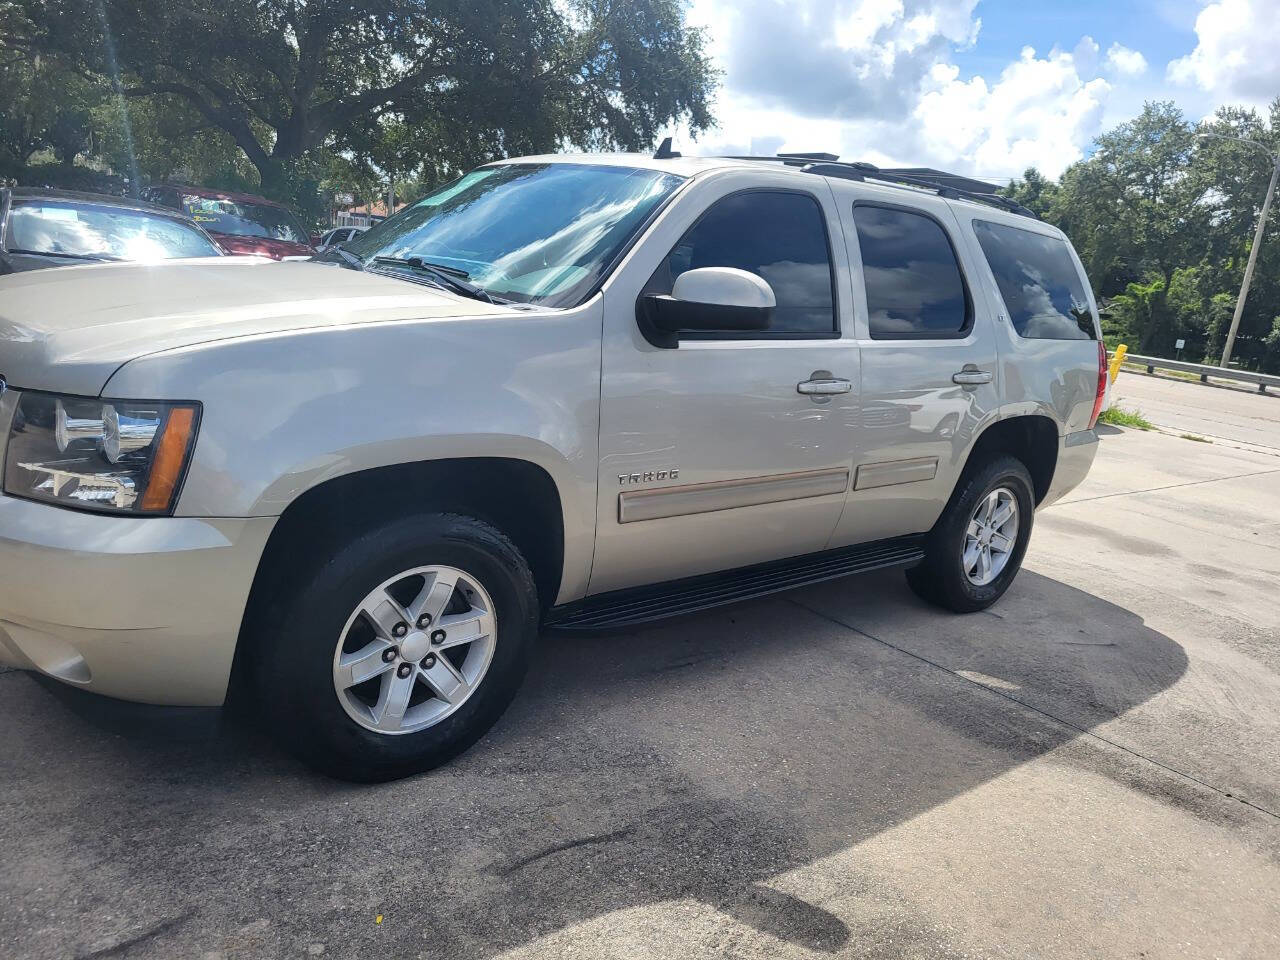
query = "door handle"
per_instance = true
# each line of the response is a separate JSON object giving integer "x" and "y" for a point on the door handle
{"x": 972, "y": 377}
{"x": 824, "y": 386}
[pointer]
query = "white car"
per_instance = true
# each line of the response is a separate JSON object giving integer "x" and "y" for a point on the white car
{"x": 571, "y": 392}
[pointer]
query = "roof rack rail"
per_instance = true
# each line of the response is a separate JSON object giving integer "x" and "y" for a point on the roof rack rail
{"x": 830, "y": 165}
{"x": 810, "y": 156}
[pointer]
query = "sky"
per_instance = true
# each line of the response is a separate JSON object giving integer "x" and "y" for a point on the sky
{"x": 985, "y": 88}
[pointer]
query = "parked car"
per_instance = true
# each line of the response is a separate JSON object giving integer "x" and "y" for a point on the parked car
{"x": 241, "y": 222}
{"x": 54, "y": 228}
{"x": 336, "y": 236}
{"x": 571, "y": 393}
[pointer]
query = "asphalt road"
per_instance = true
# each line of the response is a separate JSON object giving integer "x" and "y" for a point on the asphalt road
{"x": 1090, "y": 769}
{"x": 1234, "y": 415}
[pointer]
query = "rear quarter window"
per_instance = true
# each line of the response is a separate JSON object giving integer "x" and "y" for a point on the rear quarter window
{"x": 1038, "y": 282}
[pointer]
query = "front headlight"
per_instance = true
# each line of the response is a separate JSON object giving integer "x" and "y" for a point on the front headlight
{"x": 117, "y": 456}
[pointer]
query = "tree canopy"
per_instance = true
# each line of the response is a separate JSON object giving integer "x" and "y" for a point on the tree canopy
{"x": 441, "y": 84}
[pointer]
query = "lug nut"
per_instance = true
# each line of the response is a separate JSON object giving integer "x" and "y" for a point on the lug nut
{"x": 389, "y": 654}
{"x": 437, "y": 636}
{"x": 424, "y": 621}
{"x": 403, "y": 670}
{"x": 428, "y": 661}
{"x": 400, "y": 629}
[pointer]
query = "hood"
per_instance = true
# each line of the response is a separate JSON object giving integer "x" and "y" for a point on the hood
{"x": 69, "y": 330}
{"x": 262, "y": 246}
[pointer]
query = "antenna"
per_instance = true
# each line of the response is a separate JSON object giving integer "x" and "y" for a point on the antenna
{"x": 664, "y": 151}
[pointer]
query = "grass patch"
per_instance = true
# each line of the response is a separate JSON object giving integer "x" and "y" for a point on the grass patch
{"x": 1192, "y": 436}
{"x": 1124, "y": 418}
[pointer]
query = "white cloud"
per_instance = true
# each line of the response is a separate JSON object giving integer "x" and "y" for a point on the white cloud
{"x": 1041, "y": 112}
{"x": 874, "y": 80}
{"x": 1126, "y": 62}
{"x": 1235, "y": 58}
{"x": 843, "y": 58}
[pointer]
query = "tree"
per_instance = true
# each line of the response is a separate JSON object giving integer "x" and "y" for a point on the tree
{"x": 21, "y": 122}
{"x": 1034, "y": 191}
{"x": 43, "y": 108}
{"x": 1134, "y": 210}
{"x": 1235, "y": 175}
{"x": 485, "y": 78}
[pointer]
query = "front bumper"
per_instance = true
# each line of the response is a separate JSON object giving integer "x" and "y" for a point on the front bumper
{"x": 141, "y": 608}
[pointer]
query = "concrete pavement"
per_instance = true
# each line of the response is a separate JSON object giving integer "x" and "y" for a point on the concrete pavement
{"x": 1090, "y": 769}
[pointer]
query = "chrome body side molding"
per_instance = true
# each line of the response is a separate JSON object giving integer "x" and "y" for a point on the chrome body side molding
{"x": 895, "y": 471}
{"x": 636, "y": 505}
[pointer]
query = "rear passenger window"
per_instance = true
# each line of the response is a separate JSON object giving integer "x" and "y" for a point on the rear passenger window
{"x": 1039, "y": 283}
{"x": 781, "y": 237}
{"x": 914, "y": 286}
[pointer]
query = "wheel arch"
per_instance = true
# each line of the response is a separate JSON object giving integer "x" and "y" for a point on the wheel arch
{"x": 518, "y": 497}
{"x": 1032, "y": 439}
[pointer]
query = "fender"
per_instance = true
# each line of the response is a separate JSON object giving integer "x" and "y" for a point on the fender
{"x": 285, "y": 412}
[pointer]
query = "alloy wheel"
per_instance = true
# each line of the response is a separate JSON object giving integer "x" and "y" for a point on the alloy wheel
{"x": 415, "y": 648}
{"x": 990, "y": 536}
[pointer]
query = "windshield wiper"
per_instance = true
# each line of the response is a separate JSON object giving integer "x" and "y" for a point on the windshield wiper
{"x": 65, "y": 256}
{"x": 450, "y": 278}
{"x": 349, "y": 259}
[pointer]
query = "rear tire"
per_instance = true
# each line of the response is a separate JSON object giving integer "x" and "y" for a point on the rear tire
{"x": 366, "y": 610}
{"x": 965, "y": 569}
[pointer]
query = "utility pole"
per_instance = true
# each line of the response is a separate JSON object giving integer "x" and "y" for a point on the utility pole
{"x": 1253, "y": 258}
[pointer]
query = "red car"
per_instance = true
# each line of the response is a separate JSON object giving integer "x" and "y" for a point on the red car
{"x": 240, "y": 222}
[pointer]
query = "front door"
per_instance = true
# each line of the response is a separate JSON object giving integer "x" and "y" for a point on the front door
{"x": 711, "y": 457}
{"x": 929, "y": 372}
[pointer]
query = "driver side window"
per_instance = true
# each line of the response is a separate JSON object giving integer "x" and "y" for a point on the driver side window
{"x": 779, "y": 236}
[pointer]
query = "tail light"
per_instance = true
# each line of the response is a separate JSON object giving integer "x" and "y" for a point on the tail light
{"x": 1102, "y": 384}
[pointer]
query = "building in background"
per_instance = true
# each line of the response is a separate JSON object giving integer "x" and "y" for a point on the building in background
{"x": 350, "y": 214}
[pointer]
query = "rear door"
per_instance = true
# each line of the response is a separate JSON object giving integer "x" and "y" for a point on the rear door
{"x": 710, "y": 456}
{"x": 929, "y": 360}
{"x": 1046, "y": 320}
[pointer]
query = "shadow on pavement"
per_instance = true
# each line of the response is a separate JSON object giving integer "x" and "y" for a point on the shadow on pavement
{"x": 695, "y": 760}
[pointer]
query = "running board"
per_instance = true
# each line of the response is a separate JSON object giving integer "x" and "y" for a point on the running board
{"x": 625, "y": 608}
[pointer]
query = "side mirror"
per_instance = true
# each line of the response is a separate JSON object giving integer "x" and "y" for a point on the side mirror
{"x": 707, "y": 300}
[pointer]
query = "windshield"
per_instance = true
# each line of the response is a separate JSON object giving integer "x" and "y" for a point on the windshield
{"x": 244, "y": 219}
{"x": 530, "y": 232}
{"x": 68, "y": 229}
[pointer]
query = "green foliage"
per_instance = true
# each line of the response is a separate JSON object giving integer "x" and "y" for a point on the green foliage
{"x": 1035, "y": 192}
{"x": 43, "y": 108}
{"x": 414, "y": 88}
{"x": 1117, "y": 417}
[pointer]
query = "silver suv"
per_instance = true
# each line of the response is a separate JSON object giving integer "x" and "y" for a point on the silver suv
{"x": 569, "y": 392}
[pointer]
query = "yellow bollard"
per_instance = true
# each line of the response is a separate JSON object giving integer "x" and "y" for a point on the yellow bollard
{"x": 1116, "y": 359}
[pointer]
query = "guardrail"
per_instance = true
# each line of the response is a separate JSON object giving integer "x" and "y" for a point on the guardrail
{"x": 1263, "y": 380}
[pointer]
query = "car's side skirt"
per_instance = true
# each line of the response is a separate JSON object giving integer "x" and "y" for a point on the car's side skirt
{"x": 624, "y": 608}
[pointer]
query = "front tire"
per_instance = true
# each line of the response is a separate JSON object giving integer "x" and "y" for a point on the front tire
{"x": 976, "y": 548}
{"x": 399, "y": 650}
